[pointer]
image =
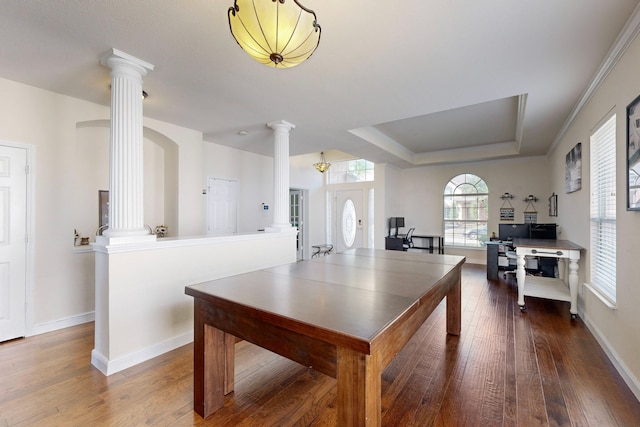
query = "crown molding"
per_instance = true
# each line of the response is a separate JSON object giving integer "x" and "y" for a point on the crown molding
{"x": 622, "y": 43}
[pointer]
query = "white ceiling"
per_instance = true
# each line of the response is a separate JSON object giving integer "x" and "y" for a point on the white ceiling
{"x": 406, "y": 83}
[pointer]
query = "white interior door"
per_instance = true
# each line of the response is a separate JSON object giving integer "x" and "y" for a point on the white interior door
{"x": 222, "y": 206}
{"x": 13, "y": 247}
{"x": 349, "y": 219}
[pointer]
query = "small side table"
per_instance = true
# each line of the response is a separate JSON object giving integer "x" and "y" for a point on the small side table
{"x": 324, "y": 249}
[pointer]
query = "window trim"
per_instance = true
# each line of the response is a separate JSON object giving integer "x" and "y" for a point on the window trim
{"x": 603, "y": 210}
{"x": 469, "y": 225}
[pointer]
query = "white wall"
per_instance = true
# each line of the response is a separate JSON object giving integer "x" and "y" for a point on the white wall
{"x": 144, "y": 311}
{"x": 391, "y": 201}
{"x": 254, "y": 174}
{"x": 618, "y": 330}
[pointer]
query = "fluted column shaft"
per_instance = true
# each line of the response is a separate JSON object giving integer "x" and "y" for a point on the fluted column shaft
{"x": 281, "y": 219}
{"x": 126, "y": 173}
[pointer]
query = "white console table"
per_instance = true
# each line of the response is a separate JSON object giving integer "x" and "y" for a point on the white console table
{"x": 564, "y": 288}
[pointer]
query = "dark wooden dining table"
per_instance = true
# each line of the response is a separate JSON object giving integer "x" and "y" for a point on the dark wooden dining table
{"x": 346, "y": 315}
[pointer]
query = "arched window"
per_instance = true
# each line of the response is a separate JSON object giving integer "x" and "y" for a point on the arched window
{"x": 466, "y": 209}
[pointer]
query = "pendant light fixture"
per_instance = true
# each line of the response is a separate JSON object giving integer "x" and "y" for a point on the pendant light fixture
{"x": 322, "y": 165}
{"x": 277, "y": 33}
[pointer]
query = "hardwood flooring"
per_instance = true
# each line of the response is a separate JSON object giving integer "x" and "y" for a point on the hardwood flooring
{"x": 507, "y": 368}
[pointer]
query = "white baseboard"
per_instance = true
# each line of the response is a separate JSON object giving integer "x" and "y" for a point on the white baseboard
{"x": 622, "y": 369}
{"x": 67, "y": 322}
{"x": 108, "y": 367}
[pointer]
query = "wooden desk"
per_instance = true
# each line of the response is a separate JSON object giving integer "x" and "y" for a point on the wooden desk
{"x": 396, "y": 243}
{"x": 563, "y": 288}
{"x": 430, "y": 240}
{"x": 346, "y": 315}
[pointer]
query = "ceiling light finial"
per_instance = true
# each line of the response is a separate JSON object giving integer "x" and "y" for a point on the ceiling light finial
{"x": 322, "y": 165}
{"x": 277, "y": 33}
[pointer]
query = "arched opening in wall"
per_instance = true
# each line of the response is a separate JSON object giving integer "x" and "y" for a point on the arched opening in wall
{"x": 92, "y": 175}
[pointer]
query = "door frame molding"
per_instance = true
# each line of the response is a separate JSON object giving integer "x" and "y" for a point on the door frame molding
{"x": 306, "y": 245}
{"x": 30, "y": 224}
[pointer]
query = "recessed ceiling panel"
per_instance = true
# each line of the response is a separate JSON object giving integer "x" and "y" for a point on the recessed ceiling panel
{"x": 480, "y": 124}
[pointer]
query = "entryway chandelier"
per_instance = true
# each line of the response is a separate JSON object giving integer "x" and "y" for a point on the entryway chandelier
{"x": 277, "y": 33}
{"x": 322, "y": 165}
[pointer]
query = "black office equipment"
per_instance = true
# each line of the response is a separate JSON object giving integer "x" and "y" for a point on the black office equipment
{"x": 543, "y": 231}
{"x": 511, "y": 231}
{"x": 497, "y": 257}
{"x": 395, "y": 222}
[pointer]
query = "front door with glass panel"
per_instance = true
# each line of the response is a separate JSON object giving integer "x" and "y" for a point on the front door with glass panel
{"x": 349, "y": 222}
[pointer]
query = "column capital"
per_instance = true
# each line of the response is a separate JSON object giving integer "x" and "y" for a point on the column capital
{"x": 118, "y": 60}
{"x": 281, "y": 125}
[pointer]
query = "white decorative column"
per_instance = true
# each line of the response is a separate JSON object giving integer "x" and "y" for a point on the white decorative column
{"x": 126, "y": 175}
{"x": 281, "y": 218}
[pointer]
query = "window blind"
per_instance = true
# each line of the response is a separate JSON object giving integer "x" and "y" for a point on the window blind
{"x": 603, "y": 209}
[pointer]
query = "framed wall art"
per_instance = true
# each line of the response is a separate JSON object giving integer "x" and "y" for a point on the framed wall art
{"x": 573, "y": 173}
{"x": 633, "y": 155}
{"x": 553, "y": 205}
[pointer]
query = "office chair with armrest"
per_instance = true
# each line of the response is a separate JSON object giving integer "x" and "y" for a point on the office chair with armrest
{"x": 408, "y": 239}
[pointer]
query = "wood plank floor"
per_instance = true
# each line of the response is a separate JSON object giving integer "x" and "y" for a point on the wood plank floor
{"x": 507, "y": 368}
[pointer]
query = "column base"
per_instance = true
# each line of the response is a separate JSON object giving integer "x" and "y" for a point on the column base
{"x": 280, "y": 228}
{"x": 125, "y": 240}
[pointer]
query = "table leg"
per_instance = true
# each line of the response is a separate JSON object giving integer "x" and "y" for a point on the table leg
{"x": 230, "y": 355}
{"x": 454, "y": 307}
{"x": 573, "y": 286}
{"x": 210, "y": 365}
{"x": 359, "y": 388}
{"x": 520, "y": 277}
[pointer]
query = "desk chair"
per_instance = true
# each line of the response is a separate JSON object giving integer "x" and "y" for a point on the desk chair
{"x": 511, "y": 255}
{"x": 407, "y": 241}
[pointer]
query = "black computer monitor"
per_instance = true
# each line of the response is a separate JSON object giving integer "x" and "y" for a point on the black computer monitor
{"x": 543, "y": 231}
{"x": 392, "y": 223}
{"x": 512, "y": 231}
{"x": 395, "y": 222}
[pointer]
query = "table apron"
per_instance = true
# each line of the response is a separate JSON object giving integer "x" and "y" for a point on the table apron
{"x": 392, "y": 340}
{"x": 308, "y": 351}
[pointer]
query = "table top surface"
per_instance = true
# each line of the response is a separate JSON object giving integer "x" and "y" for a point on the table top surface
{"x": 357, "y": 293}
{"x": 547, "y": 244}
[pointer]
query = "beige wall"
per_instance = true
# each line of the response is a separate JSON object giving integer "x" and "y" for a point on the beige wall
{"x": 57, "y": 284}
{"x": 422, "y": 194}
{"x": 66, "y": 173}
{"x": 618, "y": 330}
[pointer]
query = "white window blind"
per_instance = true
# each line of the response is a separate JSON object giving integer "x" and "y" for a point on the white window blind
{"x": 603, "y": 209}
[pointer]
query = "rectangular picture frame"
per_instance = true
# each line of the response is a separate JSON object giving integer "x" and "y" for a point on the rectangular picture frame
{"x": 573, "y": 173}
{"x": 553, "y": 205}
{"x": 633, "y": 155}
